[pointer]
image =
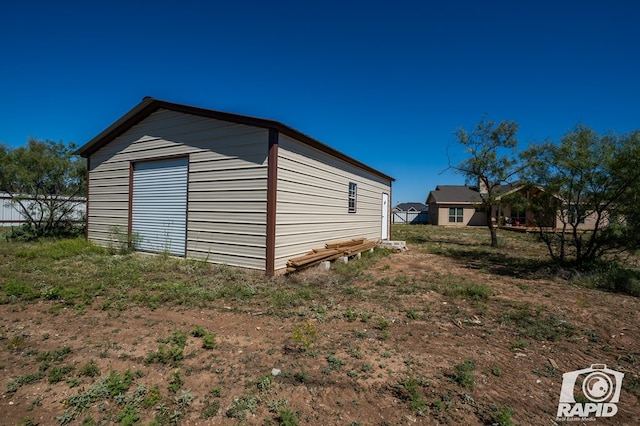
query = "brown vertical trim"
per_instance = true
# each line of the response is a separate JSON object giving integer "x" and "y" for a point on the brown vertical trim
{"x": 389, "y": 212}
{"x": 272, "y": 194}
{"x": 130, "y": 213}
{"x": 86, "y": 204}
{"x": 186, "y": 214}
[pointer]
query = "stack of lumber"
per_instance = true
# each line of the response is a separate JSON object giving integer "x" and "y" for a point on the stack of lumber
{"x": 330, "y": 251}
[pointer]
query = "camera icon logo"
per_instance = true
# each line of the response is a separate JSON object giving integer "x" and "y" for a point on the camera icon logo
{"x": 597, "y": 384}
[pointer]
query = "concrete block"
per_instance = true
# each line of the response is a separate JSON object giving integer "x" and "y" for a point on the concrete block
{"x": 395, "y": 245}
{"x": 325, "y": 266}
{"x": 343, "y": 259}
{"x": 358, "y": 256}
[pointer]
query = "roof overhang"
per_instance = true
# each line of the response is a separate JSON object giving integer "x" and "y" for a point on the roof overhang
{"x": 150, "y": 105}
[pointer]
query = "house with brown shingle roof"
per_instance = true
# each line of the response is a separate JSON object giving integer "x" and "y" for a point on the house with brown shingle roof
{"x": 456, "y": 205}
{"x": 461, "y": 205}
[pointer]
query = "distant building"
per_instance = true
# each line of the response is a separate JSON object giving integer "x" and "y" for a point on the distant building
{"x": 455, "y": 205}
{"x": 460, "y": 205}
{"x": 412, "y": 213}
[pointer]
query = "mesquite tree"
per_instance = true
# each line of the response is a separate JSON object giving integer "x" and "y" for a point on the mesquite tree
{"x": 45, "y": 181}
{"x": 591, "y": 187}
{"x": 491, "y": 162}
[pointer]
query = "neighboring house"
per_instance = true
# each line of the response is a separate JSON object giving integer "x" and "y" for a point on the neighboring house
{"x": 509, "y": 215}
{"x": 226, "y": 188}
{"x": 412, "y": 213}
{"x": 459, "y": 205}
{"x": 455, "y": 205}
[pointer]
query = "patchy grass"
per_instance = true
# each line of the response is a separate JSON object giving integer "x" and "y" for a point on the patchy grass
{"x": 538, "y": 326}
{"x": 463, "y": 374}
{"x": 453, "y": 330}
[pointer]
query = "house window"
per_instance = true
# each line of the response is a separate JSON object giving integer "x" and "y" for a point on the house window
{"x": 456, "y": 214}
{"x": 519, "y": 218}
{"x": 353, "y": 194}
{"x": 576, "y": 215}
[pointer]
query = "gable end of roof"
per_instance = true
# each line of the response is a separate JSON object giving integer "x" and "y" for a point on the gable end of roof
{"x": 149, "y": 105}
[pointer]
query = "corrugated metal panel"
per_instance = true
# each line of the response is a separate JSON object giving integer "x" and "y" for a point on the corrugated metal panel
{"x": 110, "y": 221}
{"x": 111, "y": 194}
{"x": 159, "y": 211}
{"x": 109, "y": 167}
{"x": 242, "y": 238}
{"x": 227, "y": 171}
{"x": 236, "y": 185}
{"x": 221, "y": 254}
{"x": 228, "y": 163}
{"x": 227, "y": 206}
{"x": 236, "y": 224}
{"x": 313, "y": 200}
{"x": 222, "y": 219}
{"x": 246, "y": 198}
{"x": 110, "y": 180}
{"x": 301, "y": 154}
{"x": 217, "y": 171}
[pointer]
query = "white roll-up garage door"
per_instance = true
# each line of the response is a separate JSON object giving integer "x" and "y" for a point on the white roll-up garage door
{"x": 159, "y": 211}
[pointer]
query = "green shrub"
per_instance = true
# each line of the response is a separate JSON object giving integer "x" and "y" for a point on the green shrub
{"x": 463, "y": 374}
{"x": 208, "y": 341}
{"x": 57, "y": 374}
{"x": 20, "y": 290}
{"x": 90, "y": 369}
{"x": 417, "y": 401}
{"x": 287, "y": 417}
{"x": 176, "y": 381}
{"x": 500, "y": 415}
{"x": 612, "y": 277}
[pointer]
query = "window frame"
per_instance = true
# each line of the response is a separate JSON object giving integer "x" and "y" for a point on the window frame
{"x": 457, "y": 216}
{"x": 577, "y": 215}
{"x": 353, "y": 197}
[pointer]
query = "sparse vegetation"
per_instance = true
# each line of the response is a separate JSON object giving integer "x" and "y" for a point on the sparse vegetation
{"x": 305, "y": 335}
{"x": 228, "y": 345}
{"x": 410, "y": 390}
{"x": 463, "y": 374}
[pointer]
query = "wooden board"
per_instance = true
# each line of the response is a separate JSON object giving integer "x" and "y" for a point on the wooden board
{"x": 331, "y": 251}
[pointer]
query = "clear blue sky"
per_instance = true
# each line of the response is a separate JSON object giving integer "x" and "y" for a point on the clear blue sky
{"x": 385, "y": 82}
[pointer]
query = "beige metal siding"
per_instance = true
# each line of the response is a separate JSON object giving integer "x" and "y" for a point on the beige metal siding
{"x": 227, "y": 183}
{"x": 312, "y": 205}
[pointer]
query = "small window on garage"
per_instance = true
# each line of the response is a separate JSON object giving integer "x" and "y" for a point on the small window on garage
{"x": 353, "y": 194}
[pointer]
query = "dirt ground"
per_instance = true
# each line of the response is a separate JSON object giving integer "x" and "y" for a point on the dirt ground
{"x": 356, "y": 359}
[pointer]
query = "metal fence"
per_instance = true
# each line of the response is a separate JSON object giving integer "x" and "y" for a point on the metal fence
{"x": 11, "y": 216}
{"x": 412, "y": 218}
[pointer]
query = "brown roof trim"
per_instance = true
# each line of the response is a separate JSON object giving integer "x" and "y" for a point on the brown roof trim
{"x": 150, "y": 105}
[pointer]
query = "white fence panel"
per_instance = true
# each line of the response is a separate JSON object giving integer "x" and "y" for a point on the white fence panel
{"x": 11, "y": 216}
{"x": 410, "y": 217}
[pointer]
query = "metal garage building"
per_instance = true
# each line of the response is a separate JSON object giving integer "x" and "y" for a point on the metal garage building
{"x": 228, "y": 188}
